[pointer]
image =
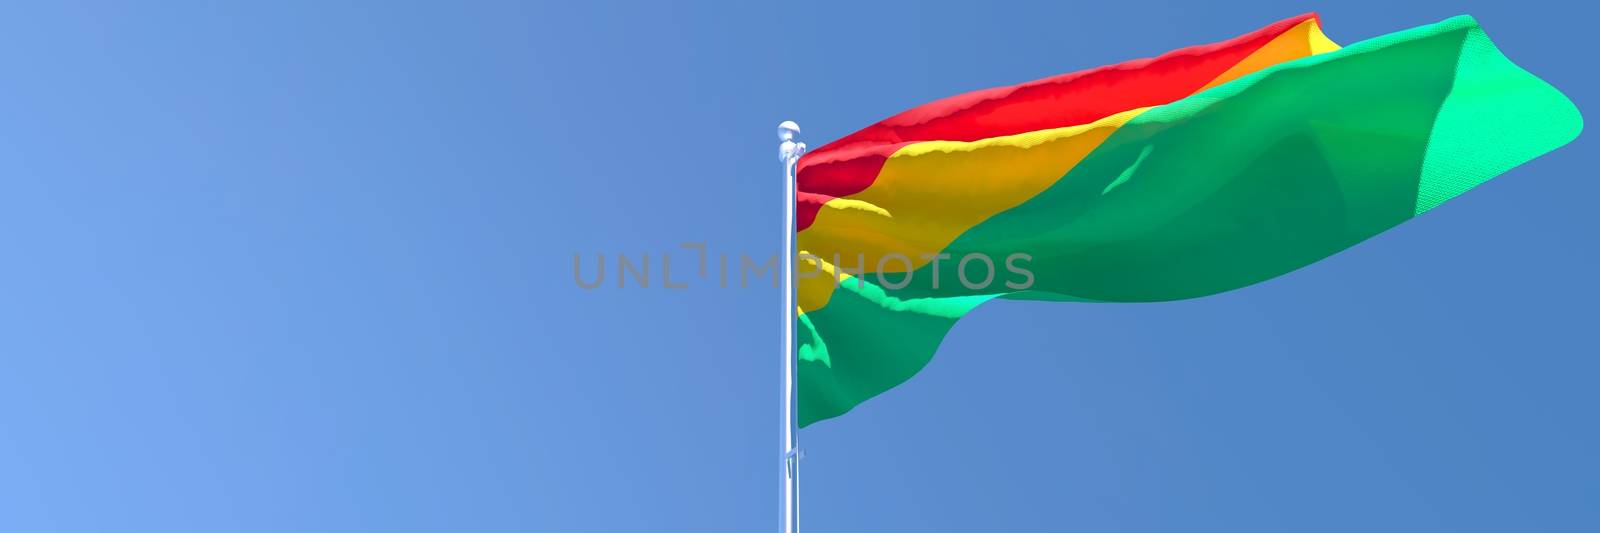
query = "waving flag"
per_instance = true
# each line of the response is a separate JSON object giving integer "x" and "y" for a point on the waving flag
{"x": 1196, "y": 172}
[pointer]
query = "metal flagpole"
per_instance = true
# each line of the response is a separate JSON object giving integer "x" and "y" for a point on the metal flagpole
{"x": 789, "y": 152}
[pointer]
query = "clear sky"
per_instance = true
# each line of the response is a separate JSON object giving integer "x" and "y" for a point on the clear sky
{"x": 306, "y": 266}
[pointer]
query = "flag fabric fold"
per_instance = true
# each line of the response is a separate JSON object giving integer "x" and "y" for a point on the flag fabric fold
{"x": 1196, "y": 172}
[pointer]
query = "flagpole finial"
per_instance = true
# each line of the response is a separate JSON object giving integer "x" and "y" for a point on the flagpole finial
{"x": 790, "y": 149}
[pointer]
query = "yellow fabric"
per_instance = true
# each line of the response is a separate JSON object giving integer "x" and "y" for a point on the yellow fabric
{"x": 1304, "y": 40}
{"x": 929, "y": 193}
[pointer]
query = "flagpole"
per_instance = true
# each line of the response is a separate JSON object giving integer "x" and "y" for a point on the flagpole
{"x": 789, "y": 152}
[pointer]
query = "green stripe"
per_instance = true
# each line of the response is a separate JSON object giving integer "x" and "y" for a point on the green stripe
{"x": 1227, "y": 188}
{"x": 873, "y": 342}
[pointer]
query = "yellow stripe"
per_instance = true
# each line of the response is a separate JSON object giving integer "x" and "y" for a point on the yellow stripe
{"x": 1303, "y": 40}
{"x": 929, "y": 193}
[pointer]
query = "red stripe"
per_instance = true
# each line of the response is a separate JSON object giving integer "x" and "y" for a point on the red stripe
{"x": 849, "y": 165}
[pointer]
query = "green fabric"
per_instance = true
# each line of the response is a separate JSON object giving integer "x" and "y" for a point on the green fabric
{"x": 1224, "y": 189}
{"x": 1498, "y": 117}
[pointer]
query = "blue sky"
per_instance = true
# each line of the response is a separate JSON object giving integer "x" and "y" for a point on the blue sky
{"x": 306, "y": 266}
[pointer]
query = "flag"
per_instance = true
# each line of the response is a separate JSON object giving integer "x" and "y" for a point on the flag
{"x": 1196, "y": 172}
